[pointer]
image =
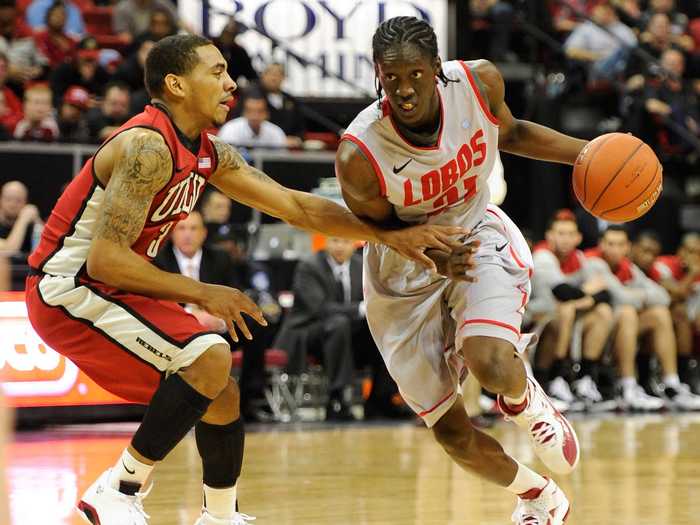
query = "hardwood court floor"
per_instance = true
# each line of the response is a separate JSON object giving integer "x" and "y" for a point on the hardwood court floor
{"x": 635, "y": 471}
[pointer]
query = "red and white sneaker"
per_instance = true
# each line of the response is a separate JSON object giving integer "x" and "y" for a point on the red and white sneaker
{"x": 551, "y": 435}
{"x": 546, "y": 506}
{"x": 103, "y": 505}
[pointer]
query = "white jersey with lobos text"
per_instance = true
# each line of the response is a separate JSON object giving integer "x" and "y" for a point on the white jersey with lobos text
{"x": 443, "y": 184}
{"x": 418, "y": 318}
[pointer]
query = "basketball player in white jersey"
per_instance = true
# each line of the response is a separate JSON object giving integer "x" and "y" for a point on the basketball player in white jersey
{"x": 424, "y": 154}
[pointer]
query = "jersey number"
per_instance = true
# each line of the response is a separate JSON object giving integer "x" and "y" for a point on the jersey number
{"x": 155, "y": 243}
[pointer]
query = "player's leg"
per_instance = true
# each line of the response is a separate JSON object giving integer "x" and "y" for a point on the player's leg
{"x": 657, "y": 322}
{"x": 220, "y": 442}
{"x": 144, "y": 351}
{"x": 596, "y": 327}
{"x": 683, "y": 328}
{"x": 553, "y": 352}
{"x": 488, "y": 315}
{"x": 626, "y": 333}
{"x": 480, "y": 454}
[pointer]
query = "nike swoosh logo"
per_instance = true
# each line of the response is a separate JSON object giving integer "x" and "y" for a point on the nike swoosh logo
{"x": 132, "y": 472}
{"x": 398, "y": 170}
{"x": 500, "y": 248}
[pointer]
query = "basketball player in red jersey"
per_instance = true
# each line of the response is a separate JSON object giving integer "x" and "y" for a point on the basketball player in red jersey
{"x": 95, "y": 297}
{"x": 424, "y": 153}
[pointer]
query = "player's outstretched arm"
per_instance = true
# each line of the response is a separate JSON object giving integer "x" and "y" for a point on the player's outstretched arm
{"x": 522, "y": 137}
{"x": 235, "y": 178}
{"x": 142, "y": 166}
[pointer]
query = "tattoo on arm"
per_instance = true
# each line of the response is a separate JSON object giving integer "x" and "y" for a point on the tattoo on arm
{"x": 142, "y": 169}
{"x": 231, "y": 159}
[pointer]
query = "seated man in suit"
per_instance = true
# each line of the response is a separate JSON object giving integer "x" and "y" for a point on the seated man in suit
{"x": 328, "y": 319}
{"x": 188, "y": 255}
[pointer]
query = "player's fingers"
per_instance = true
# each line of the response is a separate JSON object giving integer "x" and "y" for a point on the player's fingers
{"x": 232, "y": 330}
{"x": 249, "y": 307}
{"x": 240, "y": 322}
{"x": 440, "y": 244}
{"x": 423, "y": 259}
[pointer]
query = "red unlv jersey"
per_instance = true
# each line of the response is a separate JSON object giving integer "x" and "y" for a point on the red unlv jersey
{"x": 66, "y": 238}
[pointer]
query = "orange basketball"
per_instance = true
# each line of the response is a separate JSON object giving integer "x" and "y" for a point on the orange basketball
{"x": 617, "y": 177}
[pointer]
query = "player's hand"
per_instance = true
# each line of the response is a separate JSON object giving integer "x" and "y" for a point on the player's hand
{"x": 229, "y": 304}
{"x": 457, "y": 263}
{"x": 412, "y": 242}
{"x": 594, "y": 285}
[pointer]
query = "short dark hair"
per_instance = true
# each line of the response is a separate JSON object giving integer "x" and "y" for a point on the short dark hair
{"x": 116, "y": 84}
{"x": 406, "y": 30}
{"x": 175, "y": 54}
{"x": 563, "y": 215}
{"x": 647, "y": 234}
{"x": 615, "y": 228}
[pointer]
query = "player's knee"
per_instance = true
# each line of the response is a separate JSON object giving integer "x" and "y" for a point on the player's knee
{"x": 627, "y": 316}
{"x": 226, "y": 407}
{"x": 604, "y": 314}
{"x": 490, "y": 360}
{"x": 210, "y": 372}
{"x": 660, "y": 315}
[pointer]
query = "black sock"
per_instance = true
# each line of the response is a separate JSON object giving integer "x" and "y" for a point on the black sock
{"x": 560, "y": 368}
{"x": 172, "y": 412}
{"x": 221, "y": 449}
{"x": 589, "y": 368}
{"x": 686, "y": 366}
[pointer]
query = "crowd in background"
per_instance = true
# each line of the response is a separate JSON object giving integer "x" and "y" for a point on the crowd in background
{"x": 618, "y": 322}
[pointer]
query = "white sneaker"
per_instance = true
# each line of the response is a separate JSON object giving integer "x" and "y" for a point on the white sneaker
{"x": 237, "y": 519}
{"x": 551, "y": 435}
{"x": 586, "y": 390}
{"x": 560, "y": 390}
{"x": 103, "y": 505}
{"x": 550, "y": 507}
{"x": 681, "y": 397}
{"x": 637, "y": 399}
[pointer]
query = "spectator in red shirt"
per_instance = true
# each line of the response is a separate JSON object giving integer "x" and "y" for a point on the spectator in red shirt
{"x": 85, "y": 71}
{"x": 72, "y": 121}
{"x": 10, "y": 105}
{"x": 53, "y": 42}
{"x": 38, "y": 123}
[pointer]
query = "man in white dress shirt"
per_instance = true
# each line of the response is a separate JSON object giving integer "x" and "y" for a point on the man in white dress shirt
{"x": 253, "y": 129}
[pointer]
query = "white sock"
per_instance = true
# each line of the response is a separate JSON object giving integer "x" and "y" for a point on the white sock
{"x": 130, "y": 470}
{"x": 526, "y": 480}
{"x": 515, "y": 401}
{"x": 672, "y": 380}
{"x": 220, "y": 503}
{"x": 628, "y": 384}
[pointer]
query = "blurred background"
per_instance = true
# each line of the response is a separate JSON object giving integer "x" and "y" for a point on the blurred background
{"x": 71, "y": 72}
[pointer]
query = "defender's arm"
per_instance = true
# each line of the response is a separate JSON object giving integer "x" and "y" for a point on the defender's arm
{"x": 235, "y": 178}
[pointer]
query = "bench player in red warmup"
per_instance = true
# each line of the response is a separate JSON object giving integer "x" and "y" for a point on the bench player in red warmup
{"x": 424, "y": 154}
{"x": 94, "y": 296}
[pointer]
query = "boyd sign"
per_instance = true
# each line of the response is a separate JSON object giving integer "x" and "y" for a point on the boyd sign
{"x": 325, "y": 44}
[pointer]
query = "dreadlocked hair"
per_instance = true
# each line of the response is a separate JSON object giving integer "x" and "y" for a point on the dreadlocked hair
{"x": 405, "y": 30}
